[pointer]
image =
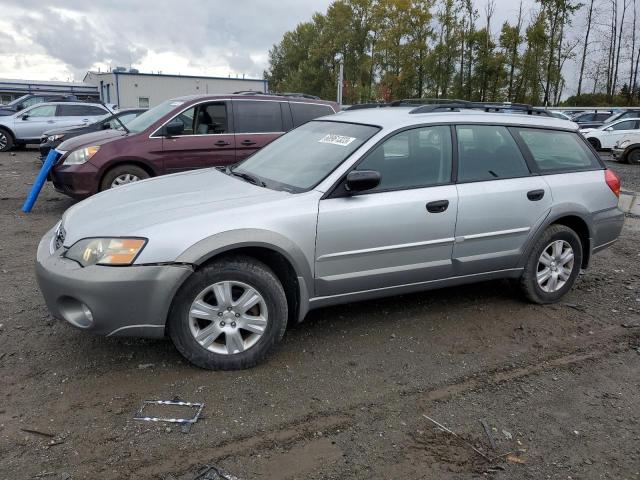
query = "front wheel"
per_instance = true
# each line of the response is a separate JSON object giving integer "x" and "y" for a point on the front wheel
{"x": 6, "y": 141}
{"x": 229, "y": 314}
{"x": 122, "y": 175}
{"x": 553, "y": 265}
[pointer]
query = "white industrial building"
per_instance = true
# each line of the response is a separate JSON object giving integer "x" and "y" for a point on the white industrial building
{"x": 132, "y": 89}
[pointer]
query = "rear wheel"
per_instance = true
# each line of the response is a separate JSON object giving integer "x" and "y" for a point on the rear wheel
{"x": 229, "y": 314}
{"x": 595, "y": 143}
{"x": 553, "y": 265}
{"x": 122, "y": 175}
{"x": 6, "y": 140}
{"x": 633, "y": 157}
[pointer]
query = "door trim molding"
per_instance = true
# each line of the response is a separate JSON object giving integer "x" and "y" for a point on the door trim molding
{"x": 492, "y": 234}
{"x": 364, "y": 251}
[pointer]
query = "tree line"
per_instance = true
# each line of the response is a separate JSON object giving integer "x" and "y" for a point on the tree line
{"x": 393, "y": 49}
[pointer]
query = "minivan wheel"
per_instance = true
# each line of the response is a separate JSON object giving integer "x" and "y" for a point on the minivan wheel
{"x": 553, "y": 265}
{"x": 6, "y": 140}
{"x": 122, "y": 175}
{"x": 633, "y": 157}
{"x": 229, "y": 314}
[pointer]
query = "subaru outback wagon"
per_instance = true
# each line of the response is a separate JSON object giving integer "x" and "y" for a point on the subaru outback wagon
{"x": 185, "y": 133}
{"x": 355, "y": 206}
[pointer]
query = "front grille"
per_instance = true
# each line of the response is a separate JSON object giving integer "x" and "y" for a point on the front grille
{"x": 59, "y": 238}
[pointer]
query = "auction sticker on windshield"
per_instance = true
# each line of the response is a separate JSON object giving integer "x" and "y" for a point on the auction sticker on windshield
{"x": 336, "y": 140}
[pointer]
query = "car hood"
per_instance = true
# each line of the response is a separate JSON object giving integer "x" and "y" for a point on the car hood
{"x": 160, "y": 206}
{"x": 94, "y": 138}
{"x": 587, "y": 130}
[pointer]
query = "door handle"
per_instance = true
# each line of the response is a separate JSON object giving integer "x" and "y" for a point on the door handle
{"x": 51, "y": 121}
{"x": 535, "y": 195}
{"x": 248, "y": 142}
{"x": 85, "y": 120}
{"x": 438, "y": 206}
{"x": 221, "y": 143}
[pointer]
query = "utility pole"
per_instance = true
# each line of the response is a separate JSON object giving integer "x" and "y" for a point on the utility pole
{"x": 340, "y": 80}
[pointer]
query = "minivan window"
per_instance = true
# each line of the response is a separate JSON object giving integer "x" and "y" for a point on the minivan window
{"x": 554, "y": 150}
{"x": 257, "y": 116}
{"x": 304, "y": 112}
{"x": 151, "y": 116}
{"x": 300, "y": 159}
{"x": 414, "y": 158}
{"x": 203, "y": 119}
{"x": 488, "y": 152}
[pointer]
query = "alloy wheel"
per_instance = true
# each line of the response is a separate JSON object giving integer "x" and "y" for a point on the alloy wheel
{"x": 555, "y": 266}
{"x": 124, "y": 179}
{"x": 228, "y": 317}
{"x": 3, "y": 140}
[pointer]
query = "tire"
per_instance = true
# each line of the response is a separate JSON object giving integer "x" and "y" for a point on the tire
{"x": 633, "y": 157}
{"x": 197, "y": 301}
{"x": 121, "y": 172}
{"x": 6, "y": 140}
{"x": 546, "y": 293}
{"x": 595, "y": 143}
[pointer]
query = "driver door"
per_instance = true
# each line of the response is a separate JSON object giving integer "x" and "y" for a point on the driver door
{"x": 207, "y": 138}
{"x": 30, "y": 124}
{"x": 399, "y": 233}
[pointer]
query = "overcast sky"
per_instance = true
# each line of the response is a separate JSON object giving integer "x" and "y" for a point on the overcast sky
{"x": 61, "y": 40}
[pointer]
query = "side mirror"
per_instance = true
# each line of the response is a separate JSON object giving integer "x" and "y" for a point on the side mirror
{"x": 106, "y": 126}
{"x": 608, "y": 129}
{"x": 361, "y": 180}
{"x": 172, "y": 129}
{"x": 25, "y": 116}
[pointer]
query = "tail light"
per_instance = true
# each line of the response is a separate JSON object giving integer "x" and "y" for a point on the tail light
{"x": 613, "y": 181}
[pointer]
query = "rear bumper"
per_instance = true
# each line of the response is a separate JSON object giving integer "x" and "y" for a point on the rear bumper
{"x": 607, "y": 226}
{"x": 122, "y": 301}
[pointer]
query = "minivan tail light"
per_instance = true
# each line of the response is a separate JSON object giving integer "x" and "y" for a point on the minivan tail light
{"x": 613, "y": 181}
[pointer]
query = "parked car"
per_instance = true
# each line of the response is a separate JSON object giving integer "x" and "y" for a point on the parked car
{"x": 181, "y": 134}
{"x": 623, "y": 113}
{"x": 627, "y": 149}
{"x": 560, "y": 115}
{"x": 606, "y": 136}
{"x": 52, "y": 138}
{"x": 32, "y": 99}
{"x": 28, "y": 125}
{"x": 354, "y": 206}
{"x": 592, "y": 119}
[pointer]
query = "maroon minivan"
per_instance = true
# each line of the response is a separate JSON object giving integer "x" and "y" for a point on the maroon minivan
{"x": 180, "y": 134}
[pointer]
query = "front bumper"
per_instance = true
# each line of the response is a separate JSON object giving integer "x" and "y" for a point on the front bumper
{"x": 77, "y": 181}
{"x": 618, "y": 153}
{"x": 122, "y": 301}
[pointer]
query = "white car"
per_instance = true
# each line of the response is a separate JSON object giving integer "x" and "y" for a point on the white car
{"x": 28, "y": 125}
{"x": 606, "y": 136}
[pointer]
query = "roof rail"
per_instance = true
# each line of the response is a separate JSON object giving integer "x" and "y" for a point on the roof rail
{"x": 362, "y": 106}
{"x": 484, "y": 106}
{"x": 424, "y": 101}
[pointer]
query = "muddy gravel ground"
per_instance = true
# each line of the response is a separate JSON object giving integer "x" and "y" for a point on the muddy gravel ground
{"x": 346, "y": 394}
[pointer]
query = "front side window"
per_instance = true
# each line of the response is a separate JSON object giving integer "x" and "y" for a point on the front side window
{"x": 43, "y": 111}
{"x": 300, "y": 159}
{"x": 488, "y": 152}
{"x": 626, "y": 125}
{"x": 414, "y": 158}
{"x": 256, "y": 116}
{"x": 558, "y": 151}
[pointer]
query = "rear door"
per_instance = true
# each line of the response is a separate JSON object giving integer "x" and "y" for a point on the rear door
{"x": 399, "y": 233}
{"x": 31, "y": 123}
{"x": 499, "y": 201}
{"x": 206, "y": 140}
{"x": 257, "y": 122}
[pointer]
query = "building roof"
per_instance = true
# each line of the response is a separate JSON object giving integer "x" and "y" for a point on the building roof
{"x": 165, "y": 75}
{"x": 48, "y": 83}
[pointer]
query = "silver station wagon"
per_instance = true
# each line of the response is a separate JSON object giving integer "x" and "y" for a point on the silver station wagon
{"x": 358, "y": 205}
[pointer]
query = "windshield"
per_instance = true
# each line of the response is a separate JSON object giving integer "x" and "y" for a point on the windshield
{"x": 149, "y": 117}
{"x": 300, "y": 159}
{"x": 17, "y": 101}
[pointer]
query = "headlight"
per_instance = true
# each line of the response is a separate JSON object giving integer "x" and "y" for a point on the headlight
{"x": 106, "y": 251}
{"x": 78, "y": 157}
{"x": 624, "y": 144}
{"x": 53, "y": 138}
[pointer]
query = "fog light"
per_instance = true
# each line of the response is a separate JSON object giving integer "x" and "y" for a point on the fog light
{"x": 75, "y": 312}
{"x": 87, "y": 313}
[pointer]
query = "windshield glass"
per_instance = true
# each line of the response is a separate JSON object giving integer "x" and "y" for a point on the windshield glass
{"x": 16, "y": 101}
{"x": 149, "y": 117}
{"x": 300, "y": 159}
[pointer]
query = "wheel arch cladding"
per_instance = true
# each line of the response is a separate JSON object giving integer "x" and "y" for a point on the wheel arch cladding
{"x": 580, "y": 226}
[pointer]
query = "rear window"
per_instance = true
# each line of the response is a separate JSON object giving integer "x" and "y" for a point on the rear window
{"x": 488, "y": 152}
{"x": 555, "y": 151}
{"x": 257, "y": 116}
{"x": 304, "y": 112}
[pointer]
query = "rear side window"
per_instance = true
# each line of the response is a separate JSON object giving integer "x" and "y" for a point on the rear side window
{"x": 304, "y": 112}
{"x": 414, "y": 158}
{"x": 257, "y": 116}
{"x": 626, "y": 125}
{"x": 79, "y": 111}
{"x": 555, "y": 151}
{"x": 488, "y": 152}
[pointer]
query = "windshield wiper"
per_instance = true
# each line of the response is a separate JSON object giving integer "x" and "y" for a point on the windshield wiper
{"x": 247, "y": 177}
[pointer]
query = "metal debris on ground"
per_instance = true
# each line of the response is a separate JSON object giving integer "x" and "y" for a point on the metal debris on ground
{"x": 184, "y": 422}
{"x": 38, "y": 432}
{"x": 487, "y": 432}
{"x": 450, "y": 432}
{"x": 214, "y": 473}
